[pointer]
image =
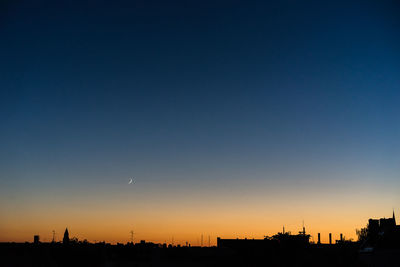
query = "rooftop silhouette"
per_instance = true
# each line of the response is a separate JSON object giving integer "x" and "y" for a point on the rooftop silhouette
{"x": 378, "y": 242}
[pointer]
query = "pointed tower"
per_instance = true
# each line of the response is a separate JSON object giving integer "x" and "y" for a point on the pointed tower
{"x": 394, "y": 218}
{"x": 66, "y": 237}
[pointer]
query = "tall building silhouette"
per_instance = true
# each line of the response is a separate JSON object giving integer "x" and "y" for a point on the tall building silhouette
{"x": 66, "y": 236}
{"x": 383, "y": 232}
{"x": 36, "y": 239}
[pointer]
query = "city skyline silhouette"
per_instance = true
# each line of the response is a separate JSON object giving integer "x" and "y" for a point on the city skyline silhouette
{"x": 314, "y": 239}
{"x": 378, "y": 244}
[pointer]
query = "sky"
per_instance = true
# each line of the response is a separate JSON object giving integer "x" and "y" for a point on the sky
{"x": 234, "y": 118}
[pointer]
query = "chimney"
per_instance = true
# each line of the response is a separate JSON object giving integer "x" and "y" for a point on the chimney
{"x": 341, "y": 237}
{"x": 330, "y": 238}
{"x": 319, "y": 238}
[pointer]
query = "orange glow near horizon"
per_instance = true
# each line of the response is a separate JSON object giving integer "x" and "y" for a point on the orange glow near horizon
{"x": 181, "y": 230}
{"x": 186, "y": 215}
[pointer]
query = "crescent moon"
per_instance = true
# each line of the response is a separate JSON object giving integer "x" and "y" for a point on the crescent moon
{"x": 130, "y": 181}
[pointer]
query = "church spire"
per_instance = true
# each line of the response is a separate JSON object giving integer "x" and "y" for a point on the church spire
{"x": 66, "y": 237}
{"x": 394, "y": 218}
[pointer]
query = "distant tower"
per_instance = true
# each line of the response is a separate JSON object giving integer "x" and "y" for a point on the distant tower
{"x": 54, "y": 237}
{"x": 132, "y": 236}
{"x": 36, "y": 239}
{"x": 66, "y": 237}
{"x": 394, "y": 218}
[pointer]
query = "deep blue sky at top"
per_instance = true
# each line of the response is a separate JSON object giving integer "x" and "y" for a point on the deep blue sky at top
{"x": 117, "y": 88}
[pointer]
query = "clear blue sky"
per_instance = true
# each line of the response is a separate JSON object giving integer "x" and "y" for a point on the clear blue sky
{"x": 198, "y": 97}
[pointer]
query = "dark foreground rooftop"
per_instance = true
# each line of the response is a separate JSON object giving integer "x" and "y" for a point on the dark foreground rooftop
{"x": 57, "y": 254}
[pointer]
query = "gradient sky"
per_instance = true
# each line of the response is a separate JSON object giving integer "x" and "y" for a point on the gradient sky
{"x": 235, "y": 118}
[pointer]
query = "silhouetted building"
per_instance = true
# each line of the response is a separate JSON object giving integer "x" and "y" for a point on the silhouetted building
{"x": 387, "y": 224}
{"x": 66, "y": 237}
{"x": 383, "y": 233}
{"x": 36, "y": 239}
{"x": 289, "y": 240}
{"x": 381, "y": 226}
{"x": 284, "y": 239}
